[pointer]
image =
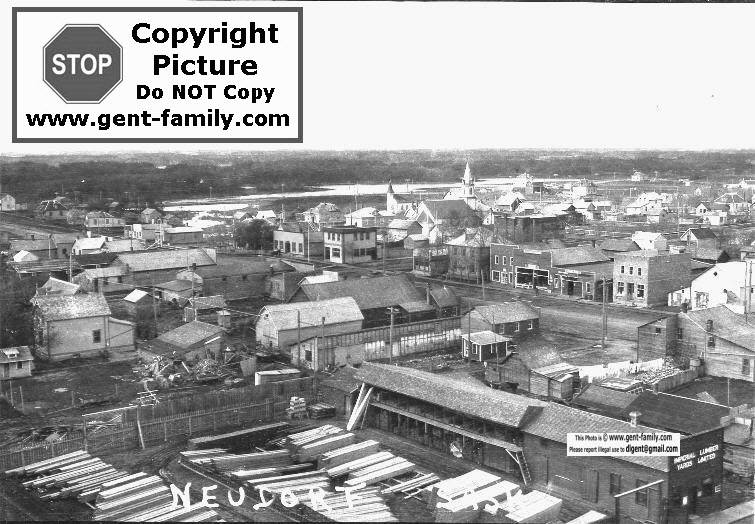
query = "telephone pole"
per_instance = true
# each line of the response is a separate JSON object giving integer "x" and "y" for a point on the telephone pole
{"x": 605, "y": 317}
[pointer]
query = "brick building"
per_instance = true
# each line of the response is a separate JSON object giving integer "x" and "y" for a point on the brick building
{"x": 646, "y": 277}
{"x": 349, "y": 244}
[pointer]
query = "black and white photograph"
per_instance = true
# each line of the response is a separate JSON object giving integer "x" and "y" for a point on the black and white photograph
{"x": 411, "y": 261}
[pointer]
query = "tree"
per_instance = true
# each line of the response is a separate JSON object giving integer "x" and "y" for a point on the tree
{"x": 15, "y": 308}
{"x": 255, "y": 234}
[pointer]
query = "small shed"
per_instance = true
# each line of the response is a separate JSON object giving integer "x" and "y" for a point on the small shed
{"x": 193, "y": 341}
{"x": 137, "y": 302}
{"x": 484, "y": 345}
{"x": 556, "y": 381}
{"x": 275, "y": 375}
{"x": 176, "y": 291}
{"x": 15, "y": 362}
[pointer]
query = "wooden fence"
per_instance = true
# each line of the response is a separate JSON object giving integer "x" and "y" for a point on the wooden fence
{"x": 156, "y": 430}
{"x": 674, "y": 381}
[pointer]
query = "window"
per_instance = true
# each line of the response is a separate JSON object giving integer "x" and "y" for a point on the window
{"x": 745, "y": 366}
{"x": 336, "y": 253}
{"x": 496, "y": 276}
{"x": 657, "y": 331}
{"x": 531, "y": 326}
{"x": 19, "y": 365}
{"x": 96, "y": 336}
{"x": 679, "y": 333}
{"x": 301, "y": 248}
{"x": 622, "y": 269}
{"x": 631, "y": 270}
{"x": 243, "y": 277}
{"x": 641, "y": 497}
{"x": 639, "y": 271}
{"x": 496, "y": 260}
{"x": 630, "y": 288}
{"x": 503, "y": 261}
{"x": 620, "y": 288}
{"x": 516, "y": 327}
{"x": 308, "y": 355}
{"x": 120, "y": 280}
{"x": 361, "y": 236}
{"x": 511, "y": 261}
{"x": 640, "y": 290}
{"x": 614, "y": 483}
{"x": 711, "y": 341}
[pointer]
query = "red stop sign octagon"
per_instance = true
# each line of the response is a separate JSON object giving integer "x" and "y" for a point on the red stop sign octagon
{"x": 83, "y": 64}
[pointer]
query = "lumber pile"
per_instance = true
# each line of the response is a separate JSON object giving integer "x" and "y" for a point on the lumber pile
{"x": 297, "y": 408}
{"x": 345, "y": 454}
{"x": 368, "y": 507}
{"x": 591, "y": 517}
{"x": 413, "y": 485}
{"x": 532, "y": 507}
{"x": 221, "y": 463}
{"x": 322, "y": 410}
{"x": 255, "y": 435}
{"x": 306, "y": 437}
{"x": 456, "y": 487}
{"x": 354, "y": 465}
{"x": 298, "y": 483}
{"x": 387, "y": 469}
{"x": 467, "y": 508}
{"x": 311, "y": 450}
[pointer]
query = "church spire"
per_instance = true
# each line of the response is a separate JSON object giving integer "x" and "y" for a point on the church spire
{"x": 467, "y": 174}
{"x": 390, "y": 187}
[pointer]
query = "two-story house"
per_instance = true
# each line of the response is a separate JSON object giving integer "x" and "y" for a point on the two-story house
{"x": 349, "y": 244}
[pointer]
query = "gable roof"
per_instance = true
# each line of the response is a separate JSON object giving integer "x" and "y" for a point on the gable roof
{"x": 466, "y": 397}
{"x": 577, "y": 255}
{"x": 369, "y": 293}
{"x": 555, "y": 421}
{"x": 89, "y": 243}
{"x": 119, "y": 245}
{"x": 445, "y": 209}
{"x": 27, "y": 244}
{"x": 23, "y": 354}
{"x": 619, "y": 244}
{"x": 136, "y": 295}
{"x": 726, "y": 324}
{"x": 604, "y": 399}
{"x": 64, "y": 307}
{"x": 473, "y": 237}
{"x": 154, "y": 260}
{"x": 676, "y": 413}
{"x": 175, "y": 285}
{"x": 335, "y": 311}
{"x": 505, "y": 312}
{"x": 699, "y": 233}
{"x": 187, "y": 335}
{"x": 208, "y": 302}
{"x": 444, "y": 296}
{"x": 55, "y": 286}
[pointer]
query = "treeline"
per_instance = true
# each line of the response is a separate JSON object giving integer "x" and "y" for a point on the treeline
{"x": 195, "y": 176}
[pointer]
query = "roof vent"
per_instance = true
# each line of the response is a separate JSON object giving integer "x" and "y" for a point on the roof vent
{"x": 633, "y": 416}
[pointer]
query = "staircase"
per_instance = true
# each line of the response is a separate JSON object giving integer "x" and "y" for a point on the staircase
{"x": 526, "y": 477}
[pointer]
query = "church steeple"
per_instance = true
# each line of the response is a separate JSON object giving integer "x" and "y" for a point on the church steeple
{"x": 390, "y": 187}
{"x": 467, "y": 175}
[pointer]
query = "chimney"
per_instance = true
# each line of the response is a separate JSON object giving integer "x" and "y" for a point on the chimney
{"x": 685, "y": 306}
{"x": 633, "y": 416}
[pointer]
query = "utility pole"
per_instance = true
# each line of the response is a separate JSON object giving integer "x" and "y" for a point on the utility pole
{"x": 605, "y": 317}
{"x": 154, "y": 307}
{"x": 390, "y": 338}
{"x": 298, "y": 333}
{"x": 385, "y": 236}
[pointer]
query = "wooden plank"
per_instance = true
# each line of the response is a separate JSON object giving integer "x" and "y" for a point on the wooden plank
{"x": 359, "y": 463}
{"x": 340, "y": 456}
{"x": 376, "y": 476}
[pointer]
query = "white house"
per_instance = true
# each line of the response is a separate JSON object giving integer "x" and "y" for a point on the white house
{"x": 7, "y": 202}
{"x": 724, "y": 284}
{"x": 650, "y": 240}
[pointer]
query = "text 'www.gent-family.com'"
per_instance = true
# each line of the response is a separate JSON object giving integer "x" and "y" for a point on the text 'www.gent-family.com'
{"x": 157, "y": 75}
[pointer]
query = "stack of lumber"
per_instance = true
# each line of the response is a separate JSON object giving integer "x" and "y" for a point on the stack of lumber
{"x": 456, "y": 487}
{"x": 533, "y": 507}
{"x": 322, "y": 410}
{"x": 387, "y": 469}
{"x": 368, "y": 507}
{"x": 243, "y": 474}
{"x": 311, "y": 450}
{"x": 467, "y": 508}
{"x": 591, "y": 517}
{"x": 345, "y": 454}
{"x": 305, "y": 437}
{"x": 232, "y": 462}
{"x": 297, "y": 407}
{"x": 251, "y": 436}
{"x": 354, "y": 465}
{"x": 145, "y": 499}
{"x": 413, "y": 485}
{"x": 298, "y": 483}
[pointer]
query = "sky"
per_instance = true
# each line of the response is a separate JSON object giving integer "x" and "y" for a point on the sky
{"x": 406, "y": 75}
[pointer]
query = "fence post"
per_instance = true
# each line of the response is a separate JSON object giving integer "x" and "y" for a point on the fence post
{"x": 23, "y": 459}
{"x": 165, "y": 431}
{"x": 189, "y": 425}
{"x": 214, "y": 422}
{"x": 269, "y": 408}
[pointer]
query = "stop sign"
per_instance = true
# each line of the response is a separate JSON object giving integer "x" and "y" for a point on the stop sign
{"x": 82, "y": 63}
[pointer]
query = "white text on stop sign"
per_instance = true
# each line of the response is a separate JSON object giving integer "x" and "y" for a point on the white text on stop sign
{"x": 88, "y": 64}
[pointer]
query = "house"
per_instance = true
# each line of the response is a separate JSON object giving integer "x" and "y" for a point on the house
{"x": 717, "y": 217}
{"x": 508, "y": 202}
{"x": 528, "y": 437}
{"x": 445, "y": 300}
{"x": 41, "y": 248}
{"x": 650, "y": 240}
{"x": 145, "y": 232}
{"x": 180, "y": 236}
{"x": 103, "y": 280}
{"x": 78, "y": 325}
{"x": 645, "y": 204}
{"x": 16, "y": 362}
{"x": 298, "y": 239}
{"x": 364, "y": 217}
{"x": 703, "y": 208}
{"x": 268, "y": 215}
{"x": 52, "y": 210}
{"x": 86, "y": 245}
{"x": 469, "y": 253}
{"x": 513, "y": 319}
{"x": 25, "y": 256}
{"x": 150, "y": 216}
{"x": 586, "y": 209}
{"x": 481, "y": 346}
{"x": 646, "y": 277}
{"x": 192, "y": 341}
{"x": 242, "y": 215}
{"x": 378, "y": 298}
{"x": 400, "y": 228}
{"x": 736, "y": 204}
{"x": 700, "y": 237}
{"x": 235, "y": 277}
{"x": 64, "y": 242}
{"x": 7, "y": 202}
{"x": 99, "y": 220}
{"x": 537, "y": 371}
{"x": 141, "y": 308}
{"x": 454, "y": 214}
{"x": 55, "y": 286}
{"x": 176, "y": 292}
{"x": 146, "y": 268}
{"x": 549, "y": 223}
{"x": 324, "y": 214}
{"x": 284, "y": 285}
{"x": 396, "y": 203}
{"x": 349, "y": 244}
{"x": 282, "y": 326}
{"x": 723, "y": 338}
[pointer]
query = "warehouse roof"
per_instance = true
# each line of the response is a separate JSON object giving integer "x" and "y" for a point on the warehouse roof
{"x": 603, "y": 399}
{"x": 675, "y": 413}
{"x": 64, "y": 307}
{"x": 505, "y": 312}
{"x": 566, "y": 256}
{"x": 335, "y": 311}
{"x": 726, "y": 324}
{"x": 155, "y": 260}
{"x": 555, "y": 421}
{"x": 369, "y": 293}
{"x": 190, "y": 334}
{"x": 465, "y": 397}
